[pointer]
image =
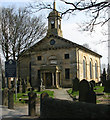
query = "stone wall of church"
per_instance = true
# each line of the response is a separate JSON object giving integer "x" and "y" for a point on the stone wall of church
{"x": 23, "y": 70}
{"x": 56, "y": 58}
{"x": 88, "y": 57}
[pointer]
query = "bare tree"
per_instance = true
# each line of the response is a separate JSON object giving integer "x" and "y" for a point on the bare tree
{"x": 95, "y": 8}
{"x": 19, "y": 31}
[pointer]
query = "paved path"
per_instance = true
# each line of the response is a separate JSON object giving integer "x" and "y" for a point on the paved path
{"x": 16, "y": 112}
{"x": 61, "y": 94}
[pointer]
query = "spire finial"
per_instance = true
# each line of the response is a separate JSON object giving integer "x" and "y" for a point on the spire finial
{"x": 54, "y": 5}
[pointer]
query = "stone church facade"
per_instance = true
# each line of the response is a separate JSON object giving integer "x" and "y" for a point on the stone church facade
{"x": 56, "y": 61}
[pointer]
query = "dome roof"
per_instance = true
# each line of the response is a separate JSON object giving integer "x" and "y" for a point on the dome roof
{"x": 54, "y": 13}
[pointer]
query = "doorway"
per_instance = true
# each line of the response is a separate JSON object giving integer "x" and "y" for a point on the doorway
{"x": 48, "y": 77}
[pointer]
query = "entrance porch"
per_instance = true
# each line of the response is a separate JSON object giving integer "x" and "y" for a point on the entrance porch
{"x": 50, "y": 76}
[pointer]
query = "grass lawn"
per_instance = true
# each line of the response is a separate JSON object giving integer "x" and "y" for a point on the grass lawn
{"x": 25, "y": 95}
{"x": 74, "y": 94}
{"x": 98, "y": 89}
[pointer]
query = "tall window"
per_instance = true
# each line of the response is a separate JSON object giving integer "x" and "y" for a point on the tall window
{"x": 91, "y": 69}
{"x": 96, "y": 71}
{"x": 84, "y": 68}
{"x": 39, "y": 58}
{"x": 67, "y": 73}
{"x": 66, "y": 56}
{"x": 52, "y": 24}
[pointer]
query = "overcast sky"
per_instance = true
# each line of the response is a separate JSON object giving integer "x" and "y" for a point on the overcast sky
{"x": 71, "y": 29}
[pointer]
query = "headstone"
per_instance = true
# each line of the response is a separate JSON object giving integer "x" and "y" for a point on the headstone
{"x": 42, "y": 96}
{"x": 3, "y": 81}
{"x": 0, "y": 84}
{"x": 19, "y": 88}
{"x": 24, "y": 86}
{"x": 39, "y": 85}
{"x": 0, "y": 96}
{"x": 5, "y": 96}
{"x": 75, "y": 86}
{"x": 28, "y": 84}
{"x": 11, "y": 99}
{"x": 103, "y": 77}
{"x": 91, "y": 98}
{"x": 86, "y": 93}
{"x": 107, "y": 86}
{"x": 108, "y": 72}
{"x": 32, "y": 103}
{"x": 84, "y": 88}
{"x": 93, "y": 83}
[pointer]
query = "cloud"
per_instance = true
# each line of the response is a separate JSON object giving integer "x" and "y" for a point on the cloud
{"x": 15, "y": 1}
{"x": 71, "y": 32}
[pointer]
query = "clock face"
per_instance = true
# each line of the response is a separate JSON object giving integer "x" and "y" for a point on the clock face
{"x": 52, "y": 22}
{"x": 52, "y": 42}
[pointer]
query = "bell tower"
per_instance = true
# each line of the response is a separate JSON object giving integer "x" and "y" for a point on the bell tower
{"x": 54, "y": 22}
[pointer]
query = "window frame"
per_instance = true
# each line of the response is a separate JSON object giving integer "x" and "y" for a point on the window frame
{"x": 67, "y": 56}
{"x": 84, "y": 68}
{"x": 91, "y": 70}
{"x": 39, "y": 58}
{"x": 67, "y": 73}
{"x": 96, "y": 70}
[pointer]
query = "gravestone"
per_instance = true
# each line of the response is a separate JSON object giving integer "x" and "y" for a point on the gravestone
{"x": 103, "y": 77}
{"x": 75, "y": 86}
{"x": 84, "y": 88}
{"x": 11, "y": 99}
{"x": 19, "y": 88}
{"x": 42, "y": 96}
{"x": 91, "y": 98}
{"x": 32, "y": 103}
{"x": 0, "y": 96}
{"x": 28, "y": 84}
{"x": 93, "y": 83}
{"x": 107, "y": 86}
{"x": 5, "y": 96}
{"x": 86, "y": 93}
{"x": 3, "y": 81}
{"x": 23, "y": 86}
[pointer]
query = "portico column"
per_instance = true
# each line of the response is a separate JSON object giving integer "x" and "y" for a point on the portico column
{"x": 53, "y": 79}
{"x": 44, "y": 80}
{"x": 41, "y": 81}
{"x": 57, "y": 84}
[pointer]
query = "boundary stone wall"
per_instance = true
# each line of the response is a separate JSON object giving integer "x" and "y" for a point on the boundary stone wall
{"x": 55, "y": 108}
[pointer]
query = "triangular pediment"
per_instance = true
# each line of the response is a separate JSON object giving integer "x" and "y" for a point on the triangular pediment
{"x": 52, "y": 42}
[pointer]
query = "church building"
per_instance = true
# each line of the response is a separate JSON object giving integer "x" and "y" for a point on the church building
{"x": 56, "y": 61}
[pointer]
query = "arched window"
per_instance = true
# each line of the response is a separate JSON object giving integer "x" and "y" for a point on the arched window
{"x": 84, "y": 68}
{"x": 91, "y": 69}
{"x": 52, "y": 24}
{"x": 96, "y": 70}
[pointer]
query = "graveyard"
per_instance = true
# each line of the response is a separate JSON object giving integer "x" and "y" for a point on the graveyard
{"x": 85, "y": 95}
{"x": 22, "y": 98}
{"x": 54, "y": 78}
{"x": 102, "y": 97}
